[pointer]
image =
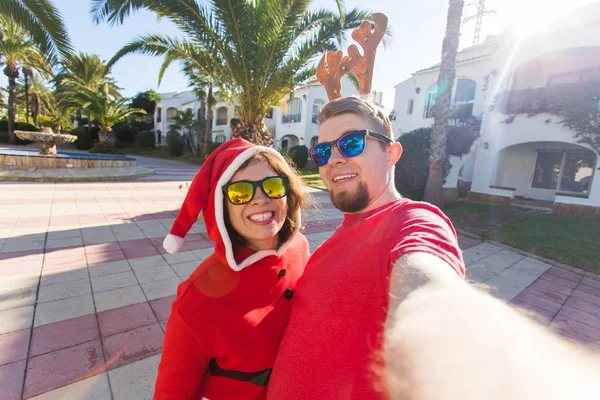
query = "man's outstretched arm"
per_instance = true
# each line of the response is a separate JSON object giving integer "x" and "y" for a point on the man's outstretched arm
{"x": 448, "y": 341}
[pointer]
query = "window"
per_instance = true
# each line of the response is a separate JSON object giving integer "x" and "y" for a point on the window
{"x": 577, "y": 172}
{"x": 464, "y": 97}
{"x": 269, "y": 114}
{"x": 315, "y": 110}
{"x": 430, "y": 101}
{"x": 284, "y": 145}
{"x": 565, "y": 171}
{"x": 159, "y": 114}
{"x": 222, "y": 116}
{"x": 313, "y": 141}
{"x": 220, "y": 139}
{"x": 293, "y": 112}
{"x": 547, "y": 170}
{"x": 411, "y": 104}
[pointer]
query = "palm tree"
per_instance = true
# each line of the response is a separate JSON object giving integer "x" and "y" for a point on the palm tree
{"x": 82, "y": 72}
{"x": 42, "y": 22}
{"x": 441, "y": 111}
{"x": 17, "y": 49}
{"x": 102, "y": 108}
{"x": 203, "y": 89}
{"x": 184, "y": 122}
{"x": 255, "y": 52}
{"x": 42, "y": 98}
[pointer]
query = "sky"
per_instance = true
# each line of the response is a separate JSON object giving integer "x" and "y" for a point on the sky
{"x": 417, "y": 32}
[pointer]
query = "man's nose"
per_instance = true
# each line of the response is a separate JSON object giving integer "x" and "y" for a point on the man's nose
{"x": 336, "y": 157}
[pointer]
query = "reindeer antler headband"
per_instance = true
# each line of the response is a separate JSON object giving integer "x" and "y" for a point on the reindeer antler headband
{"x": 361, "y": 65}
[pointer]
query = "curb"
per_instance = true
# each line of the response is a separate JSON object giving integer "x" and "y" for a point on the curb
{"x": 57, "y": 179}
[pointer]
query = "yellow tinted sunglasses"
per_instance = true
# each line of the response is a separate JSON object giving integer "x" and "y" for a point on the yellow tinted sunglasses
{"x": 242, "y": 192}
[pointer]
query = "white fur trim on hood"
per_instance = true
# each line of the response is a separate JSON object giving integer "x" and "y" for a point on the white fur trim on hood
{"x": 220, "y": 216}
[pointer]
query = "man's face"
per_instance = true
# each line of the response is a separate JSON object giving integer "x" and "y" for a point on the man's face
{"x": 353, "y": 182}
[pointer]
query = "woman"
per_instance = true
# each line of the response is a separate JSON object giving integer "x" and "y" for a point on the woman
{"x": 229, "y": 315}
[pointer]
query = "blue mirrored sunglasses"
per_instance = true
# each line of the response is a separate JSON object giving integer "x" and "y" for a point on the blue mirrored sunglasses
{"x": 350, "y": 144}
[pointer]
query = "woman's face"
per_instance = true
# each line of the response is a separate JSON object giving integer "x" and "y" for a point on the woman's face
{"x": 260, "y": 220}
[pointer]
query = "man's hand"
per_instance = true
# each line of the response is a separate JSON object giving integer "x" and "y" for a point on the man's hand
{"x": 452, "y": 342}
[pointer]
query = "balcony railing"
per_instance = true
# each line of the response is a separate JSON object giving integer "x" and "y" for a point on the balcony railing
{"x": 460, "y": 111}
{"x": 290, "y": 119}
{"x": 548, "y": 99}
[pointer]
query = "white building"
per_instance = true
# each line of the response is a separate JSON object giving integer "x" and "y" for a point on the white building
{"x": 293, "y": 122}
{"x": 519, "y": 157}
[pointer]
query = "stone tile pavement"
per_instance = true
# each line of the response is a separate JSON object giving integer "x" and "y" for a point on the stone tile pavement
{"x": 85, "y": 287}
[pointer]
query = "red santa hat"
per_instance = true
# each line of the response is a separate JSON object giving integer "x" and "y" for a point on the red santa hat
{"x": 205, "y": 194}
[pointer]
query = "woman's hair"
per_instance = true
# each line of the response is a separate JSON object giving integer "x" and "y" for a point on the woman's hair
{"x": 297, "y": 198}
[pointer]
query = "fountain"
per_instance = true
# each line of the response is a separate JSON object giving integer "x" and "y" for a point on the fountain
{"x": 46, "y": 139}
{"x": 48, "y": 165}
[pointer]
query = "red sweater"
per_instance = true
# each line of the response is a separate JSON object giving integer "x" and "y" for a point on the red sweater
{"x": 331, "y": 346}
{"x": 225, "y": 326}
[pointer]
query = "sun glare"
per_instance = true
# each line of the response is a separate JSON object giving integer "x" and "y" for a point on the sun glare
{"x": 529, "y": 16}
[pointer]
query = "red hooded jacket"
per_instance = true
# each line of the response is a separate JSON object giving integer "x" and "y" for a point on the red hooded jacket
{"x": 229, "y": 315}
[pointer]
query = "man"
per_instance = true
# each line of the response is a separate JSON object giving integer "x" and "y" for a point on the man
{"x": 331, "y": 347}
{"x": 394, "y": 266}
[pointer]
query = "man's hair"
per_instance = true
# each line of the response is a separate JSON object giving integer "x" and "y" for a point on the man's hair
{"x": 362, "y": 108}
{"x": 297, "y": 197}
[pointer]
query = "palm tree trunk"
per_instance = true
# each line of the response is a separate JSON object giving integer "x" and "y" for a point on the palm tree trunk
{"x": 203, "y": 138}
{"x": 12, "y": 72}
{"x": 441, "y": 111}
{"x": 36, "y": 109}
{"x": 191, "y": 143}
{"x": 27, "y": 72}
{"x": 105, "y": 135}
{"x": 209, "y": 118}
{"x": 255, "y": 132}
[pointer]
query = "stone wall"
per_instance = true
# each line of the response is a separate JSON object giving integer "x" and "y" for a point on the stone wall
{"x": 576, "y": 210}
{"x": 54, "y": 162}
{"x": 489, "y": 198}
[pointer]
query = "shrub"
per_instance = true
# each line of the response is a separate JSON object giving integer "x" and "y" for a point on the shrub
{"x": 102, "y": 148}
{"x": 299, "y": 156}
{"x": 20, "y": 126}
{"x": 212, "y": 146}
{"x": 412, "y": 170}
{"x": 124, "y": 132}
{"x": 45, "y": 121}
{"x": 145, "y": 140}
{"x": 175, "y": 143}
{"x": 84, "y": 139}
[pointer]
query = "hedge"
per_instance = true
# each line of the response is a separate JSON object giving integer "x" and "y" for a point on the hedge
{"x": 412, "y": 170}
{"x": 299, "y": 156}
{"x": 175, "y": 143}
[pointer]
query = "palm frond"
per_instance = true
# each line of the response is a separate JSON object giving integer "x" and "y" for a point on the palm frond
{"x": 43, "y": 23}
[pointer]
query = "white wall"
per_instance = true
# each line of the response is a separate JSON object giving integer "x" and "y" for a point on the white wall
{"x": 405, "y": 91}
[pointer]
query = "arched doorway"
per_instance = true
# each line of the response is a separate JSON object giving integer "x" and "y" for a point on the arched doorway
{"x": 288, "y": 141}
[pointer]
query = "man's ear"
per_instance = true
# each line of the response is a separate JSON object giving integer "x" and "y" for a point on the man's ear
{"x": 394, "y": 152}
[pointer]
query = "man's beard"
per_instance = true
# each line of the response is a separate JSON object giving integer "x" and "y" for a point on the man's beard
{"x": 351, "y": 202}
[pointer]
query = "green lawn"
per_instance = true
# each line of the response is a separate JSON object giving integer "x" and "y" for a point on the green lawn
{"x": 310, "y": 175}
{"x": 462, "y": 210}
{"x": 570, "y": 240}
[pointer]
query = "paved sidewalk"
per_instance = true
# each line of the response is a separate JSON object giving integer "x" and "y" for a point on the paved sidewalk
{"x": 85, "y": 287}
